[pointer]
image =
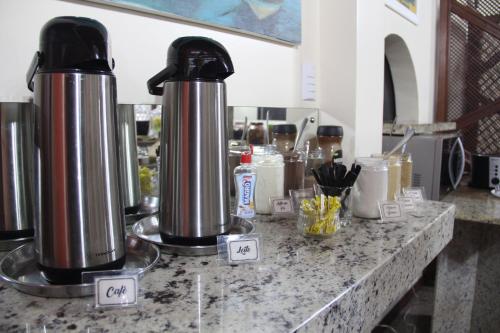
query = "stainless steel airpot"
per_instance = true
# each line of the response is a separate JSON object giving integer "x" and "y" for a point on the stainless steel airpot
{"x": 194, "y": 180}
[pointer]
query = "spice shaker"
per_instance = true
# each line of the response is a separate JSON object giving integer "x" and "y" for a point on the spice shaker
{"x": 270, "y": 177}
{"x": 406, "y": 170}
{"x": 370, "y": 187}
{"x": 330, "y": 141}
{"x": 394, "y": 181}
{"x": 284, "y": 137}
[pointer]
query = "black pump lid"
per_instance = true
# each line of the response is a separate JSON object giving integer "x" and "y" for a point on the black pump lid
{"x": 69, "y": 43}
{"x": 330, "y": 131}
{"x": 193, "y": 59}
{"x": 199, "y": 58}
{"x": 285, "y": 129}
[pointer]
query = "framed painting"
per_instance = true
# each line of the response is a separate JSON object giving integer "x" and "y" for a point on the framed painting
{"x": 279, "y": 20}
{"x": 406, "y": 8}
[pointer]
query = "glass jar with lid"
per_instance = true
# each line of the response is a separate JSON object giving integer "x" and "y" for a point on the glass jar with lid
{"x": 270, "y": 177}
{"x": 330, "y": 141}
{"x": 370, "y": 187}
{"x": 294, "y": 171}
{"x": 284, "y": 137}
{"x": 256, "y": 133}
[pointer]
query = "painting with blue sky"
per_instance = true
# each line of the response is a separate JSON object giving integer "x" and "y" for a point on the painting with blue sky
{"x": 277, "y": 19}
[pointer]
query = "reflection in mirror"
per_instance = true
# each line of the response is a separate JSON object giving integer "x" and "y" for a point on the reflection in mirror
{"x": 260, "y": 125}
{"x": 259, "y": 129}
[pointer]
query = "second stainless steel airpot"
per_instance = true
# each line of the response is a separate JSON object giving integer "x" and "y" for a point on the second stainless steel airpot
{"x": 194, "y": 179}
{"x": 16, "y": 171}
{"x": 129, "y": 163}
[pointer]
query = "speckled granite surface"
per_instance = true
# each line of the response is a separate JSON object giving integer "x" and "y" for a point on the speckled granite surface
{"x": 467, "y": 292}
{"x": 399, "y": 129}
{"x": 343, "y": 284}
{"x": 475, "y": 205}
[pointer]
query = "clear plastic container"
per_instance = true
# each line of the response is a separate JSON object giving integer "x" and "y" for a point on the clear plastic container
{"x": 234, "y": 157}
{"x": 245, "y": 180}
{"x": 370, "y": 187}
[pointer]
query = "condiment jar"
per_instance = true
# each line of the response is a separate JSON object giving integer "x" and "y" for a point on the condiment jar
{"x": 394, "y": 181}
{"x": 294, "y": 171}
{"x": 284, "y": 137}
{"x": 370, "y": 187}
{"x": 270, "y": 177}
{"x": 406, "y": 170}
{"x": 330, "y": 141}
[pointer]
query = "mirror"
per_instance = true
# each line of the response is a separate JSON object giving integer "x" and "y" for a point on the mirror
{"x": 148, "y": 121}
{"x": 256, "y": 117}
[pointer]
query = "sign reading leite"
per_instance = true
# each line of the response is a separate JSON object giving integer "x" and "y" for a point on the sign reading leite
{"x": 246, "y": 250}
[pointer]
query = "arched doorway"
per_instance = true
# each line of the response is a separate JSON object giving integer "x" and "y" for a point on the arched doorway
{"x": 400, "y": 75}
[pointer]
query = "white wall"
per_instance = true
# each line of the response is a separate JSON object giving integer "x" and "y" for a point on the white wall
{"x": 352, "y": 47}
{"x": 267, "y": 73}
{"x": 421, "y": 42}
{"x": 343, "y": 39}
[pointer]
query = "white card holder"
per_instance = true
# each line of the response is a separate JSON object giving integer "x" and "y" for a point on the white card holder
{"x": 408, "y": 203}
{"x": 113, "y": 289}
{"x": 391, "y": 211}
{"x": 239, "y": 249}
{"x": 416, "y": 193}
{"x": 281, "y": 207}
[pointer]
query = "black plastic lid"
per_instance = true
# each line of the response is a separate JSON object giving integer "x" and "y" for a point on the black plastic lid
{"x": 70, "y": 43}
{"x": 199, "y": 58}
{"x": 330, "y": 131}
{"x": 285, "y": 129}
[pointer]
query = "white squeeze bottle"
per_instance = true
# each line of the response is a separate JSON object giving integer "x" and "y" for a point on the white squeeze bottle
{"x": 245, "y": 177}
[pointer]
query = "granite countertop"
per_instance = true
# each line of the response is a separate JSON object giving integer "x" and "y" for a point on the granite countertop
{"x": 475, "y": 205}
{"x": 399, "y": 129}
{"x": 345, "y": 283}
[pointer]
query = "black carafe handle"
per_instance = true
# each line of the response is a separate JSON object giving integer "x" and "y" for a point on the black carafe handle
{"x": 35, "y": 63}
{"x": 159, "y": 78}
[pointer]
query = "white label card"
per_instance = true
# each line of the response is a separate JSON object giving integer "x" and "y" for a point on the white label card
{"x": 407, "y": 203}
{"x": 243, "y": 250}
{"x": 391, "y": 211}
{"x": 282, "y": 206}
{"x": 112, "y": 291}
{"x": 240, "y": 249}
{"x": 416, "y": 193}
